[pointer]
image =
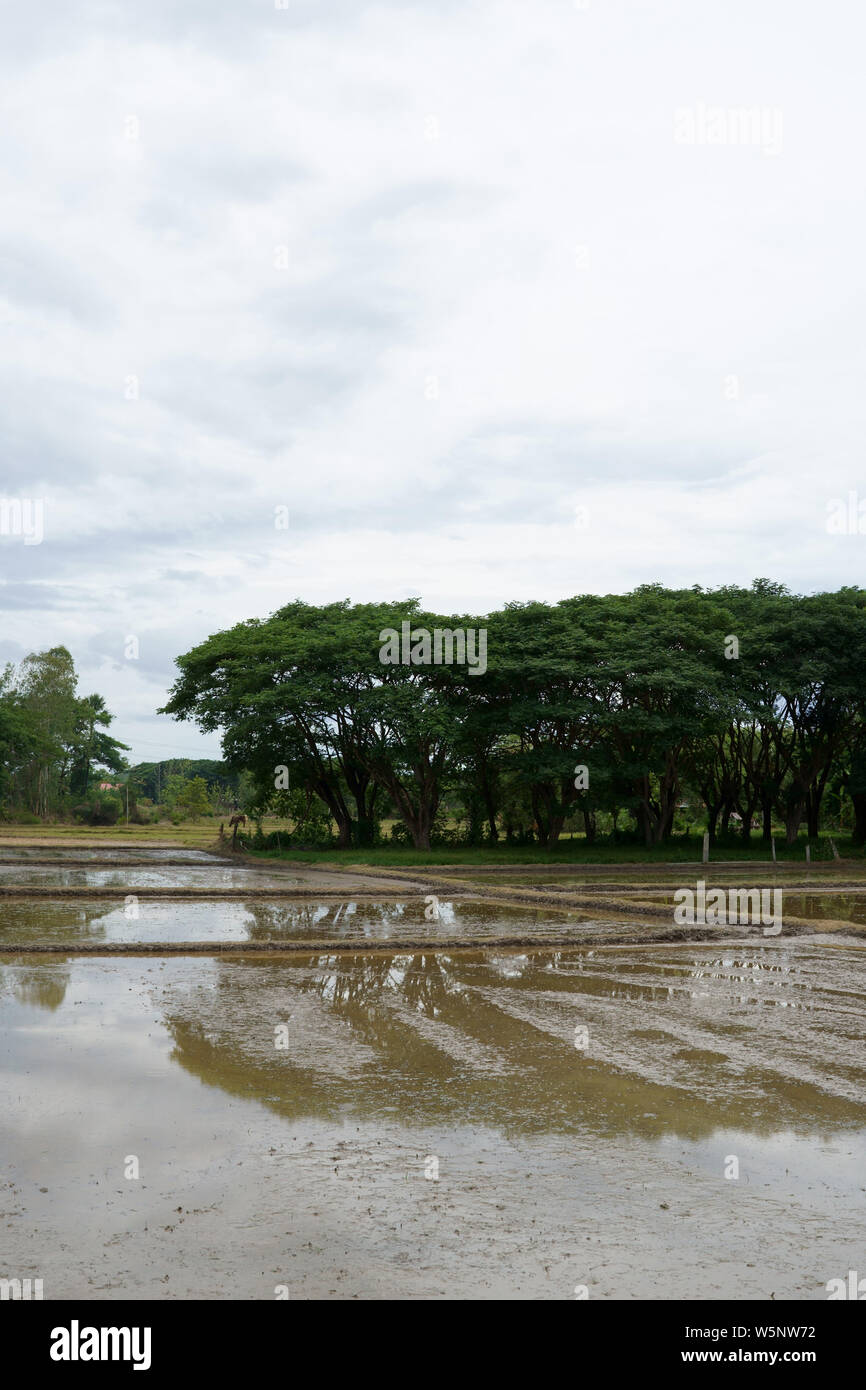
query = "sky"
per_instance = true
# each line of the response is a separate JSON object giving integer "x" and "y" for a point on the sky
{"x": 472, "y": 302}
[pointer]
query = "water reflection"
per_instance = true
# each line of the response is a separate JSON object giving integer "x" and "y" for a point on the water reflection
{"x": 41, "y": 986}
{"x": 145, "y": 920}
{"x": 681, "y": 1048}
{"x": 383, "y": 921}
{"x": 128, "y": 877}
{"x": 44, "y": 920}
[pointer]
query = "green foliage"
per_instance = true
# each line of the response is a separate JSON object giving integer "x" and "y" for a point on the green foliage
{"x": 642, "y": 688}
{"x": 51, "y": 741}
{"x": 100, "y": 808}
{"x": 154, "y": 778}
{"x": 192, "y": 799}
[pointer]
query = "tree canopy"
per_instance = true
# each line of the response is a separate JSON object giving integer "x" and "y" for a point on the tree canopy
{"x": 750, "y": 698}
{"x": 51, "y": 740}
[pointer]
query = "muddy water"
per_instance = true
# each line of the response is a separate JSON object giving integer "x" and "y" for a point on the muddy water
{"x": 582, "y": 1103}
{"x": 661, "y": 878}
{"x": 847, "y": 907}
{"x": 817, "y": 906}
{"x": 23, "y": 922}
{"x": 128, "y": 878}
{"x": 600, "y": 1165}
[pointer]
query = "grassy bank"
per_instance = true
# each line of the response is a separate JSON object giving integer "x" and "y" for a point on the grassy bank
{"x": 569, "y": 852}
{"x": 190, "y": 836}
{"x": 573, "y": 852}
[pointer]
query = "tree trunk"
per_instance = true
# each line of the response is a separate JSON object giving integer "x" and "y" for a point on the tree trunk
{"x": 793, "y": 818}
{"x": 644, "y": 818}
{"x": 364, "y": 793}
{"x": 767, "y": 817}
{"x": 420, "y": 835}
{"x": 814, "y": 799}
{"x": 418, "y": 818}
{"x": 489, "y": 803}
{"x": 747, "y": 812}
{"x": 538, "y": 816}
{"x": 338, "y": 809}
{"x": 365, "y": 829}
{"x": 554, "y": 830}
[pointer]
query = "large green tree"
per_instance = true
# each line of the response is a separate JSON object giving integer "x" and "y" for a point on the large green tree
{"x": 749, "y": 696}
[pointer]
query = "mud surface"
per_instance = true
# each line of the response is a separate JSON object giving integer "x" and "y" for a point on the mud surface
{"x": 83, "y": 923}
{"x": 556, "y": 1166}
{"x": 415, "y": 1109}
{"x": 129, "y": 877}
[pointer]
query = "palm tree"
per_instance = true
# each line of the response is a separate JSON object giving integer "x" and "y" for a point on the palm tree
{"x": 91, "y": 745}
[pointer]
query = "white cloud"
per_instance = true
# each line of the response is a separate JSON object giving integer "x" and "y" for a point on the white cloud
{"x": 506, "y": 291}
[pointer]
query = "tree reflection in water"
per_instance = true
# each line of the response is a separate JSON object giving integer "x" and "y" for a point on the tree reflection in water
{"x": 347, "y": 918}
{"x": 42, "y": 986}
{"x": 40, "y": 919}
{"x": 678, "y": 1042}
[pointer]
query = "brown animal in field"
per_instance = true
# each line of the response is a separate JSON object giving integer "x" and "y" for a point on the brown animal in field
{"x": 236, "y": 821}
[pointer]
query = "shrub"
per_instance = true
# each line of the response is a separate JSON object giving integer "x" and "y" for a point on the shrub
{"x": 100, "y": 808}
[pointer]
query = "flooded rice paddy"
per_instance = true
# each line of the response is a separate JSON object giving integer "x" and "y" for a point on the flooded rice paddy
{"x": 29, "y": 923}
{"x": 410, "y": 1120}
{"x": 126, "y": 879}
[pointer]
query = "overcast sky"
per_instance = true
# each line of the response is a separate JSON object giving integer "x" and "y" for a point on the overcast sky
{"x": 432, "y": 277}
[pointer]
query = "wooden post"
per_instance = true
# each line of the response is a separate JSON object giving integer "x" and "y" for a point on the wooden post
{"x": 773, "y": 847}
{"x": 808, "y": 854}
{"x": 706, "y": 858}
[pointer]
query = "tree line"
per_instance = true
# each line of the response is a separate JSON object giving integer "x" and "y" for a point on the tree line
{"x": 56, "y": 756}
{"x": 51, "y": 739}
{"x": 750, "y": 701}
